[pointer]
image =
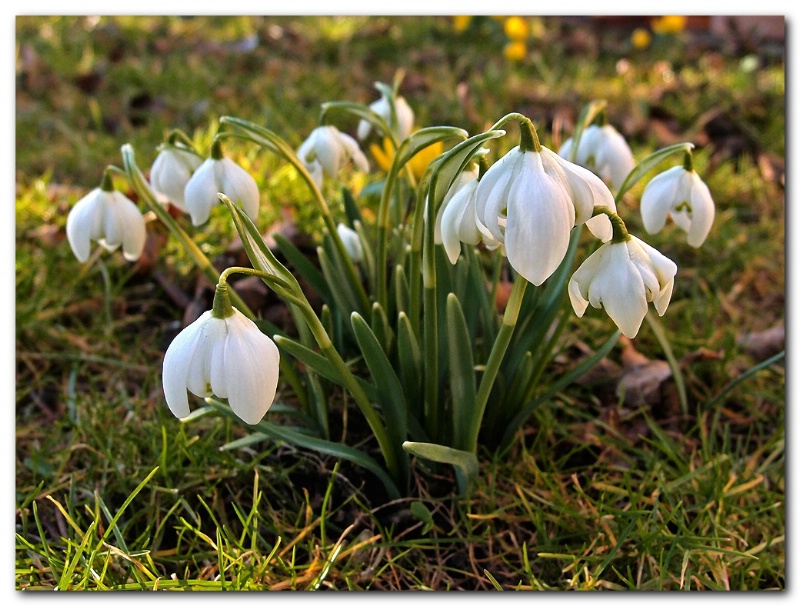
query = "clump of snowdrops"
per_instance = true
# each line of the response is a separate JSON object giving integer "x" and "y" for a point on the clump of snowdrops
{"x": 409, "y": 330}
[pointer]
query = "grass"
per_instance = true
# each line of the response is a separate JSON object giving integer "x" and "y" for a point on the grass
{"x": 597, "y": 492}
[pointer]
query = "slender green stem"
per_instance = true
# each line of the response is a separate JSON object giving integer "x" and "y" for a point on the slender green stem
{"x": 144, "y": 192}
{"x": 431, "y": 371}
{"x": 528, "y": 138}
{"x": 495, "y": 358}
{"x": 619, "y": 231}
{"x": 688, "y": 161}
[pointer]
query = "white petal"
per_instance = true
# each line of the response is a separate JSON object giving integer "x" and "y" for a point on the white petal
{"x": 615, "y": 157}
{"x": 351, "y": 242}
{"x": 315, "y": 170}
{"x": 114, "y": 219}
{"x": 251, "y": 369}
{"x": 658, "y": 198}
{"x": 363, "y": 130}
{"x": 84, "y": 223}
{"x": 240, "y": 186}
{"x": 200, "y": 193}
{"x": 171, "y": 172}
{"x": 702, "y": 212}
{"x": 664, "y": 270}
{"x": 134, "y": 231}
{"x": 619, "y": 287}
{"x": 212, "y": 335}
{"x": 354, "y": 152}
{"x": 456, "y": 219}
{"x": 176, "y": 365}
{"x": 579, "y": 303}
{"x": 491, "y": 201}
{"x": 405, "y": 118}
{"x": 586, "y": 190}
{"x": 330, "y": 152}
{"x": 540, "y": 217}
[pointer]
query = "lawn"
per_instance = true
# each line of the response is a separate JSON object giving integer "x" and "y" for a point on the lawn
{"x": 662, "y": 468}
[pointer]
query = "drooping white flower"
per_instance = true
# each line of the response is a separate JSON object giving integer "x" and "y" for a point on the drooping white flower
{"x": 623, "y": 277}
{"x": 405, "y": 117}
{"x": 351, "y": 241}
{"x": 227, "y": 357}
{"x": 171, "y": 171}
{"x": 459, "y": 222}
{"x": 466, "y": 177}
{"x": 679, "y": 193}
{"x": 111, "y": 219}
{"x": 529, "y": 201}
{"x": 604, "y": 151}
{"x": 329, "y": 149}
{"x": 215, "y": 176}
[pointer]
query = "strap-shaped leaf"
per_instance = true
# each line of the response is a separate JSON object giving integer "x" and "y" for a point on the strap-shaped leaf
{"x": 425, "y": 137}
{"x": 650, "y": 162}
{"x": 287, "y": 434}
{"x": 351, "y": 208}
{"x": 466, "y": 463}
{"x": 390, "y": 390}
{"x": 321, "y": 365}
{"x": 381, "y": 329}
{"x": 400, "y": 287}
{"x": 462, "y": 372}
{"x": 259, "y": 253}
{"x": 410, "y": 358}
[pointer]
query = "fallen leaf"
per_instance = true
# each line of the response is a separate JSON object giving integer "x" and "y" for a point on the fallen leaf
{"x": 765, "y": 343}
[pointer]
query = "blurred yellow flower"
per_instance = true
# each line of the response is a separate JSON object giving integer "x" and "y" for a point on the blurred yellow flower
{"x": 461, "y": 22}
{"x": 419, "y": 162}
{"x": 515, "y": 51}
{"x": 516, "y": 28}
{"x": 640, "y": 38}
{"x": 669, "y": 24}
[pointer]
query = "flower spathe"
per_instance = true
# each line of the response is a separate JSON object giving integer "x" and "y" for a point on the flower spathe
{"x": 604, "y": 151}
{"x": 227, "y": 357}
{"x": 681, "y": 194}
{"x": 111, "y": 219}
{"x": 383, "y": 107}
{"x": 623, "y": 277}
{"x": 529, "y": 201}
{"x": 215, "y": 176}
{"x": 171, "y": 171}
{"x": 328, "y": 149}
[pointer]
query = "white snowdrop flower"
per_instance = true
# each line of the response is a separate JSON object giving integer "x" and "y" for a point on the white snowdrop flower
{"x": 604, "y": 151}
{"x": 108, "y": 217}
{"x": 227, "y": 357}
{"x": 405, "y": 117}
{"x": 623, "y": 277}
{"x": 171, "y": 171}
{"x": 351, "y": 241}
{"x": 681, "y": 194}
{"x": 329, "y": 149}
{"x": 215, "y": 175}
{"x": 529, "y": 201}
